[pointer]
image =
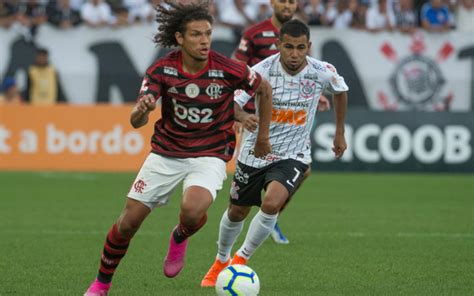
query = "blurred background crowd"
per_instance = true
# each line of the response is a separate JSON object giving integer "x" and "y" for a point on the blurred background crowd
{"x": 409, "y": 65}
{"x": 24, "y": 17}
{"x": 371, "y": 15}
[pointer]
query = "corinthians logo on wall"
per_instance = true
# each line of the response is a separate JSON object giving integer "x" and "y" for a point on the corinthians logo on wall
{"x": 417, "y": 79}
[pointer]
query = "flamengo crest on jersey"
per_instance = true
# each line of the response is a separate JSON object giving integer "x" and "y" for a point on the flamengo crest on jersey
{"x": 295, "y": 101}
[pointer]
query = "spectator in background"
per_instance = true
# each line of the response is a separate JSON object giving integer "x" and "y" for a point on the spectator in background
{"x": 212, "y": 10}
{"x": 97, "y": 13}
{"x": 231, "y": 13}
{"x": 360, "y": 15}
{"x": 406, "y": 19}
{"x": 379, "y": 18}
{"x": 339, "y": 13}
{"x": 115, "y": 4}
{"x": 353, "y": 6}
{"x": 9, "y": 93}
{"x": 119, "y": 11}
{"x": 258, "y": 10}
{"x": 7, "y": 16}
{"x": 314, "y": 10}
{"x": 299, "y": 13}
{"x": 139, "y": 11}
{"x": 452, "y": 8}
{"x": 465, "y": 16}
{"x": 28, "y": 15}
{"x": 62, "y": 15}
{"x": 435, "y": 16}
{"x": 329, "y": 13}
{"x": 42, "y": 80}
{"x": 77, "y": 4}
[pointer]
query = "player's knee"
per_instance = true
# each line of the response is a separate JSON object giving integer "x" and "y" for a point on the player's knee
{"x": 271, "y": 206}
{"x": 307, "y": 173}
{"x": 128, "y": 227}
{"x": 192, "y": 210}
{"x": 191, "y": 216}
{"x": 237, "y": 214}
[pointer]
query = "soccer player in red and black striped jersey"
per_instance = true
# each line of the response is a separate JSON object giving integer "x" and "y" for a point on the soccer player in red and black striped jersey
{"x": 259, "y": 41}
{"x": 192, "y": 141}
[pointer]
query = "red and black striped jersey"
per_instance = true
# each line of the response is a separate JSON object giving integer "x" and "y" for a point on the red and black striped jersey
{"x": 197, "y": 110}
{"x": 258, "y": 43}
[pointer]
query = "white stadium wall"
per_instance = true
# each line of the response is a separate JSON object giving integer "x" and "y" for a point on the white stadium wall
{"x": 385, "y": 71}
{"x": 426, "y": 78}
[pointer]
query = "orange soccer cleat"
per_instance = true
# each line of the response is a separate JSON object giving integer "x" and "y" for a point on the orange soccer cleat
{"x": 238, "y": 260}
{"x": 210, "y": 278}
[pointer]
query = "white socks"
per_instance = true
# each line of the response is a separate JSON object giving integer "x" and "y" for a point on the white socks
{"x": 228, "y": 233}
{"x": 260, "y": 228}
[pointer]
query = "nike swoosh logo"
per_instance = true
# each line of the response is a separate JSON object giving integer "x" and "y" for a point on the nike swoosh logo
{"x": 288, "y": 182}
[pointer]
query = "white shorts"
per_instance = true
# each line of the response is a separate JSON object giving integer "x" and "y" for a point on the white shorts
{"x": 159, "y": 176}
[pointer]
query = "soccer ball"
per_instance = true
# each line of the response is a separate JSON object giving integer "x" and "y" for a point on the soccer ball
{"x": 237, "y": 280}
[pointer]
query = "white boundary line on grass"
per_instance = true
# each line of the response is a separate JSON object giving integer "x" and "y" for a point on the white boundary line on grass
{"x": 65, "y": 176}
{"x": 399, "y": 234}
{"x": 320, "y": 234}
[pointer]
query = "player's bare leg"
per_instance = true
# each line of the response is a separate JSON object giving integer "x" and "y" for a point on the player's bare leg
{"x": 277, "y": 235}
{"x": 116, "y": 245}
{"x": 231, "y": 225}
{"x": 192, "y": 217}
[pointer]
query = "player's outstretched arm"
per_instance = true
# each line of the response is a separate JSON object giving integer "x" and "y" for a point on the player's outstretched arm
{"x": 264, "y": 99}
{"x": 340, "y": 108}
{"x": 143, "y": 107}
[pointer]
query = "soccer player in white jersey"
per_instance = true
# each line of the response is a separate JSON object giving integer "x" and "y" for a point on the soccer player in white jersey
{"x": 258, "y": 43}
{"x": 298, "y": 82}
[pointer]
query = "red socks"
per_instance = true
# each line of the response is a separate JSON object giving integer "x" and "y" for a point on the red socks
{"x": 183, "y": 231}
{"x": 115, "y": 248}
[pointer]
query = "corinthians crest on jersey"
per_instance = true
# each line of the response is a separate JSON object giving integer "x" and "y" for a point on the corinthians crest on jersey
{"x": 307, "y": 88}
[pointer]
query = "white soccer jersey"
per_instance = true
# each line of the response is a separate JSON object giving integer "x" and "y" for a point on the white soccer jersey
{"x": 295, "y": 101}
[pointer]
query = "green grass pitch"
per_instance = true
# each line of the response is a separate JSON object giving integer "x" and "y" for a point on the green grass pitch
{"x": 350, "y": 234}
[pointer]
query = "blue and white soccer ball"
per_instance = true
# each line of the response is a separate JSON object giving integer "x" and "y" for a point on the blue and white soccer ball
{"x": 237, "y": 280}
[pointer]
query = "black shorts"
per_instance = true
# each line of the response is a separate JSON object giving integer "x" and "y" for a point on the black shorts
{"x": 249, "y": 182}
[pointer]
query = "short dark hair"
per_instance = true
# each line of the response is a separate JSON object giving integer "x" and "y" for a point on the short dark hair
{"x": 294, "y": 28}
{"x": 42, "y": 50}
{"x": 173, "y": 17}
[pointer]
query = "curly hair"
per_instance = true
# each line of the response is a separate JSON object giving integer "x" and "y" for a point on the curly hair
{"x": 173, "y": 17}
